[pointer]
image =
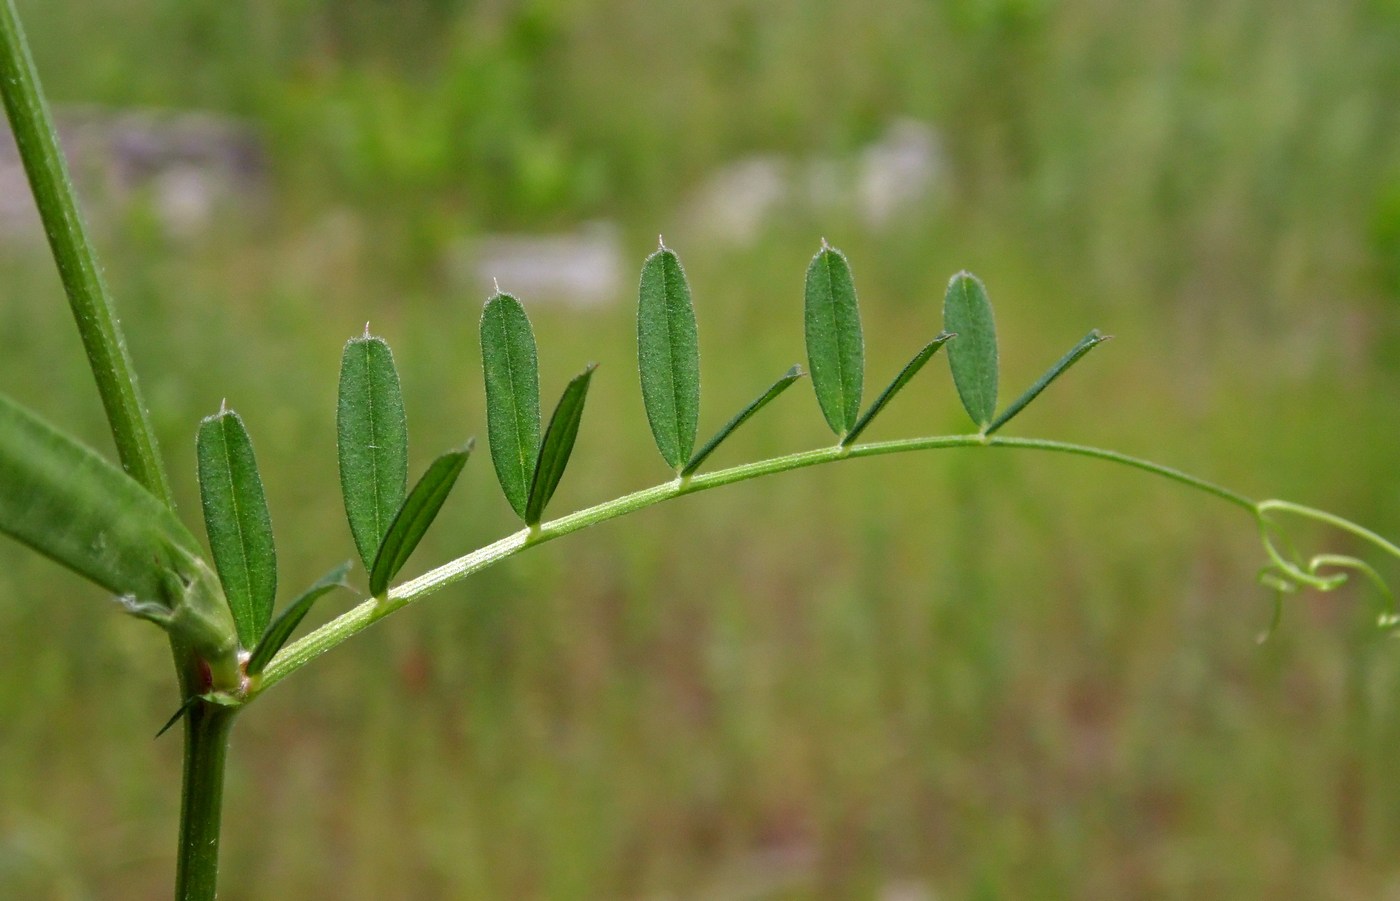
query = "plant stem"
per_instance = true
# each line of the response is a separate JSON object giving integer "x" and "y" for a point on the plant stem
{"x": 207, "y": 728}
{"x": 303, "y": 651}
{"x": 77, "y": 261}
{"x": 206, "y": 738}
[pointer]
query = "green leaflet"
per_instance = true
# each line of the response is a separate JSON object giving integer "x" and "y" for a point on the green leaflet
{"x": 558, "y": 445}
{"x": 236, "y": 518}
{"x": 835, "y": 348}
{"x": 287, "y": 621}
{"x": 372, "y": 438}
{"x": 668, "y": 356}
{"x": 74, "y": 507}
{"x": 419, "y": 510}
{"x": 511, "y": 367}
{"x": 908, "y": 372}
{"x": 68, "y": 503}
{"x": 973, "y": 357}
{"x": 1086, "y": 344}
{"x": 741, "y": 417}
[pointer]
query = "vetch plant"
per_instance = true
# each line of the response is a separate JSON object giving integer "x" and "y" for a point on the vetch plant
{"x": 117, "y": 528}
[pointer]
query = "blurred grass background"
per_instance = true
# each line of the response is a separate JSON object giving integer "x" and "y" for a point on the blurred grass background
{"x": 954, "y": 675}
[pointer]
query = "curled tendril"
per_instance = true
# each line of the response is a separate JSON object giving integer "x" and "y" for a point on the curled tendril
{"x": 1287, "y": 572}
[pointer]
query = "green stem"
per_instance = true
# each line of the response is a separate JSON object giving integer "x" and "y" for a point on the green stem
{"x": 1331, "y": 519}
{"x": 207, "y": 728}
{"x": 303, "y": 651}
{"x": 77, "y": 261}
{"x": 101, "y": 334}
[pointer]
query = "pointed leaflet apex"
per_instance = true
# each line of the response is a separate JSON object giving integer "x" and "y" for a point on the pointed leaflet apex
{"x": 778, "y": 387}
{"x": 908, "y": 372}
{"x": 668, "y": 356}
{"x": 419, "y": 510}
{"x": 511, "y": 367}
{"x": 372, "y": 435}
{"x": 558, "y": 445}
{"x": 236, "y": 518}
{"x": 835, "y": 346}
{"x": 1086, "y": 344}
{"x": 973, "y": 357}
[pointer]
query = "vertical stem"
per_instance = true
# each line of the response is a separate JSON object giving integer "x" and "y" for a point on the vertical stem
{"x": 207, "y": 728}
{"x": 77, "y": 261}
{"x": 206, "y": 735}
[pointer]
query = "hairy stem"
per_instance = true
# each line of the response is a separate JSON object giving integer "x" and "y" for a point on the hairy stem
{"x": 77, "y": 261}
{"x": 207, "y": 728}
{"x": 105, "y": 347}
{"x": 303, "y": 651}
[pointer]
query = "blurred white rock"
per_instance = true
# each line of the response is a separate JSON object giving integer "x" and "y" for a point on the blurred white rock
{"x": 901, "y": 172}
{"x": 581, "y": 268}
{"x": 887, "y": 179}
{"x": 907, "y": 890}
{"x": 739, "y": 200}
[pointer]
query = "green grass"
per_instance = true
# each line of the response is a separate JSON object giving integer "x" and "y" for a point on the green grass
{"x": 1002, "y": 674}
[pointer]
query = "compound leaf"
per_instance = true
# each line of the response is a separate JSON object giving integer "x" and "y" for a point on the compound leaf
{"x": 419, "y": 510}
{"x": 973, "y": 357}
{"x": 741, "y": 417}
{"x": 835, "y": 347}
{"x": 236, "y": 518}
{"x": 511, "y": 367}
{"x": 558, "y": 444}
{"x": 287, "y": 621}
{"x": 372, "y": 437}
{"x": 668, "y": 356}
